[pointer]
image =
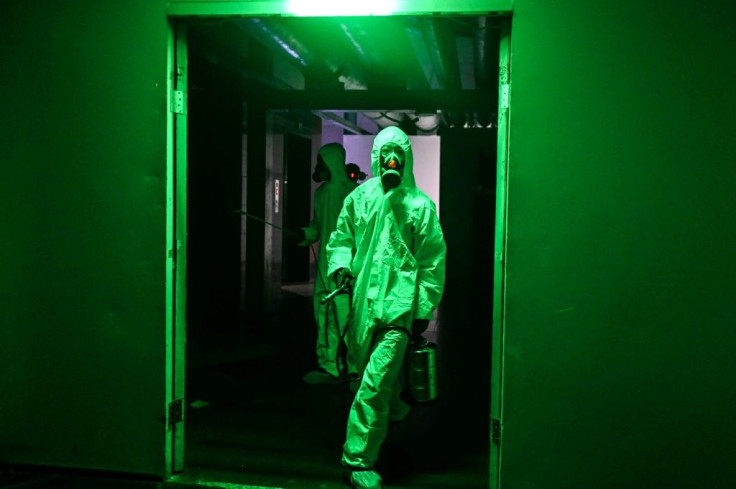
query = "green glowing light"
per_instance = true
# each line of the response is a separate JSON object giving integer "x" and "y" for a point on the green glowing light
{"x": 335, "y": 8}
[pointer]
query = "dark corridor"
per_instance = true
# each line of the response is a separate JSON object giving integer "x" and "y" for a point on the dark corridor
{"x": 250, "y": 419}
{"x": 263, "y": 426}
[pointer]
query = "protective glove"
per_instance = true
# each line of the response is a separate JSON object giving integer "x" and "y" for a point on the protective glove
{"x": 419, "y": 326}
{"x": 343, "y": 277}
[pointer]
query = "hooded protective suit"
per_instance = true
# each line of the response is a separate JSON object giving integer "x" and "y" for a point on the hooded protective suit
{"x": 392, "y": 243}
{"x": 328, "y": 201}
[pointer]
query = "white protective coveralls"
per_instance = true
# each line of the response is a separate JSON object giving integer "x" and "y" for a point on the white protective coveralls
{"x": 328, "y": 201}
{"x": 392, "y": 244}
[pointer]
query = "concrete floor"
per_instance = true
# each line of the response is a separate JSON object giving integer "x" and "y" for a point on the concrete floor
{"x": 262, "y": 426}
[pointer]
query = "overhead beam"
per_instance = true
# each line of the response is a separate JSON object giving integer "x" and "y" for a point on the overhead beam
{"x": 361, "y": 100}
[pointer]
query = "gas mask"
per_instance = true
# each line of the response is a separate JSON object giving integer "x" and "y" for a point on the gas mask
{"x": 321, "y": 172}
{"x": 392, "y": 159}
{"x": 354, "y": 172}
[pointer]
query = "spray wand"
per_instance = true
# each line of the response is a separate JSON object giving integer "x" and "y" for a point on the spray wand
{"x": 289, "y": 232}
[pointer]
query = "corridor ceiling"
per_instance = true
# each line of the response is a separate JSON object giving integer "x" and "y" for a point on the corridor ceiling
{"x": 414, "y": 64}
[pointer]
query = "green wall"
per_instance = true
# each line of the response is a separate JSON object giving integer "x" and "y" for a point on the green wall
{"x": 620, "y": 300}
{"x": 82, "y": 240}
{"x": 621, "y": 320}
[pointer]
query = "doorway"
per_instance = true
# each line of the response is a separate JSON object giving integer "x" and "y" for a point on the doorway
{"x": 250, "y": 419}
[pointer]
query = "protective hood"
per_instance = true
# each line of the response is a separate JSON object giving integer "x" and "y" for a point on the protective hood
{"x": 393, "y": 134}
{"x": 333, "y": 154}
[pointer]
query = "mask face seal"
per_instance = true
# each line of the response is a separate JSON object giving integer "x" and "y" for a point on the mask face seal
{"x": 392, "y": 159}
{"x": 321, "y": 172}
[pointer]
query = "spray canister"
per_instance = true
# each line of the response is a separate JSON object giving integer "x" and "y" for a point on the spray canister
{"x": 422, "y": 369}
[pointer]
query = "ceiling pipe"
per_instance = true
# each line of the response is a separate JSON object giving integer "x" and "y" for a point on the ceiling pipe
{"x": 342, "y": 122}
{"x": 445, "y": 70}
{"x": 433, "y": 46}
{"x": 359, "y": 40}
{"x": 483, "y": 58}
{"x": 219, "y": 39}
{"x": 380, "y": 70}
{"x": 276, "y": 36}
{"x": 416, "y": 39}
{"x": 466, "y": 61}
{"x": 384, "y": 119}
{"x": 427, "y": 123}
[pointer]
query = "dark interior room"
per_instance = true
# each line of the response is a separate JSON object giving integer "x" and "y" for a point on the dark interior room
{"x": 250, "y": 335}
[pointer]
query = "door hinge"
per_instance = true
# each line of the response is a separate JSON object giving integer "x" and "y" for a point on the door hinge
{"x": 499, "y": 256}
{"x": 496, "y": 429}
{"x": 176, "y": 413}
{"x": 505, "y": 94}
{"x": 179, "y": 102}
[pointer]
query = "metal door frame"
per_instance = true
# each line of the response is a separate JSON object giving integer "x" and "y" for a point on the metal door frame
{"x": 176, "y": 233}
{"x": 176, "y": 200}
{"x": 500, "y": 250}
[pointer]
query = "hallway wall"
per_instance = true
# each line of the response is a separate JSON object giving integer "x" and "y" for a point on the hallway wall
{"x": 620, "y": 301}
{"x": 82, "y": 240}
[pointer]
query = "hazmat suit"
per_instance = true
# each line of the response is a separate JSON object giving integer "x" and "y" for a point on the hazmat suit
{"x": 390, "y": 241}
{"x": 328, "y": 201}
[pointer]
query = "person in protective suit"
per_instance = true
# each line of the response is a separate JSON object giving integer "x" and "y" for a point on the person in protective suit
{"x": 328, "y": 200}
{"x": 389, "y": 245}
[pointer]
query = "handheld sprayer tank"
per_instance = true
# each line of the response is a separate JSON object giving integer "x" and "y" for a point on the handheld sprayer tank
{"x": 422, "y": 370}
